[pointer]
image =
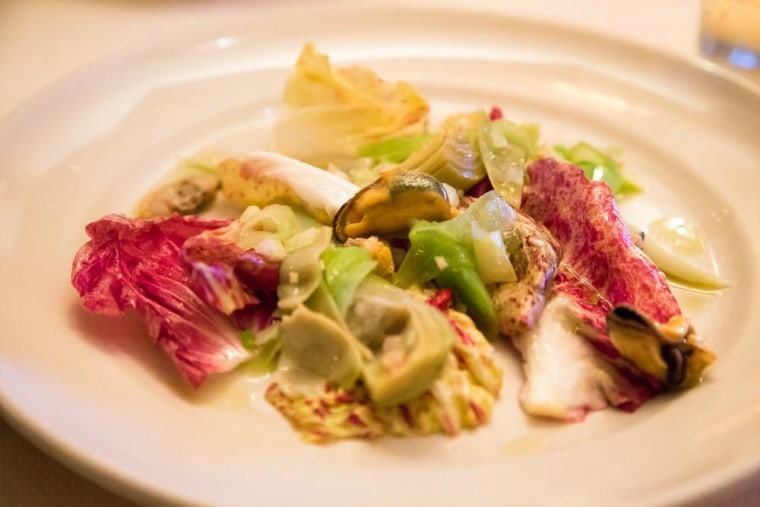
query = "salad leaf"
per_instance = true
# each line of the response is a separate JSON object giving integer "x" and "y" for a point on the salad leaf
{"x": 132, "y": 263}
{"x": 447, "y": 252}
{"x": 344, "y": 270}
{"x": 337, "y": 110}
{"x": 226, "y": 276}
{"x": 265, "y": 346}
{"x": 264, "y": 178}
{"x": 395, "y": 150}
{"x": 301, "y": 270}
{"x": 359, "y": 171}
{"x": 598, "y": 165}
{"x": 506, "y": 148}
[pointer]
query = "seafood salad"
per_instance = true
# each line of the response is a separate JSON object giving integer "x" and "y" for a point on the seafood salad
{"x": 373, "y": 259}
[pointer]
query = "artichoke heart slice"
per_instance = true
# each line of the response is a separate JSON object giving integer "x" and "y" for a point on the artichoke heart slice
{"x": 418, "y": 339}
{"x": 301, "y": 270}
{"x": 452, "y": 156}
{"x": 318, "y": 345}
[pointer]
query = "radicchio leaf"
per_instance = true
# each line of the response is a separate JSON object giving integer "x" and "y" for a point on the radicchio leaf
{"x": 600, "y": 268}
{"x": 600, "y": 258}
{"x": 226, "y": 276}
{"x": 135, "y": 263}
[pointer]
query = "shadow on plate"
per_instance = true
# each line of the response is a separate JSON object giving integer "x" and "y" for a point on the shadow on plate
{"x": 126, "y": 336}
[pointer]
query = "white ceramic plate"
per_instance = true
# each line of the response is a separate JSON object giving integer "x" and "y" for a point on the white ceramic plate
{"x": 95, "y": 393}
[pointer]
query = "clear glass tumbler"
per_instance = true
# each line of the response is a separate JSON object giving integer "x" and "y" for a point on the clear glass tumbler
{"x": 730, "y": 31}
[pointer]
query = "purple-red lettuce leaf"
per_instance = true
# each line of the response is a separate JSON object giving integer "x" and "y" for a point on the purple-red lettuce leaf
{"x": 135, "y": 263}
{"x": 226, "y": 276}
{"x": 571, "y": 364}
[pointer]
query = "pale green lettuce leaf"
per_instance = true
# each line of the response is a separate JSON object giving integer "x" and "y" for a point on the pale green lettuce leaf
{"x": 337, "y": 110}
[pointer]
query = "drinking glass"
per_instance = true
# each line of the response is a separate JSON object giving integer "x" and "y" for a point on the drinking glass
{"x": 730, "y": 31}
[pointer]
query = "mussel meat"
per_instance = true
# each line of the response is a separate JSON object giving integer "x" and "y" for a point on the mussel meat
{"x": 668, "y": 351}
{"x": 388, "y": 206}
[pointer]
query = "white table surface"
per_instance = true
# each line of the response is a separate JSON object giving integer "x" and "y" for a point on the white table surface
{"x": 42, "y": 41}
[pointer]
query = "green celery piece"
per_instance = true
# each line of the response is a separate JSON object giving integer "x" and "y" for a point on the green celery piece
{"x": 206, "y": 168}
{"x": 247, "y": 339}
{"x": 524, "y": 136}
{"x": 322, "y": 301}
{"x": 598, "y": 166}
{"x": 395, "y": 149}
{"x": 429, "y": 240}
{"x": 630, "y": 187}
{"x": 344, "y": 270}
{"x": 264, "y": 346}
{"x": 444, "y": 252}
{"x": 436, "y": 253}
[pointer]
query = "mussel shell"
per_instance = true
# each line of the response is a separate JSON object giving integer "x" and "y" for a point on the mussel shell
{"x": 389, "y": 205}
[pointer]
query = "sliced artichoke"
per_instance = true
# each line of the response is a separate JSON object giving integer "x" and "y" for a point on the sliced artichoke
{"x": 506, "y": 148}
{"x": 320, "y": 346}
{"x": 672, "y": 243}
{"x": 301, "y": 269}
{"x": 451, "y": 156}
{"x": 411, "y": 341}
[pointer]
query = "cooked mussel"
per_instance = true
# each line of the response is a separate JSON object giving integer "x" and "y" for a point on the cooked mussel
{"x": 388, "y": 206}
{"x": 668, "y": 351}
{"x": 184, "y": 196}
